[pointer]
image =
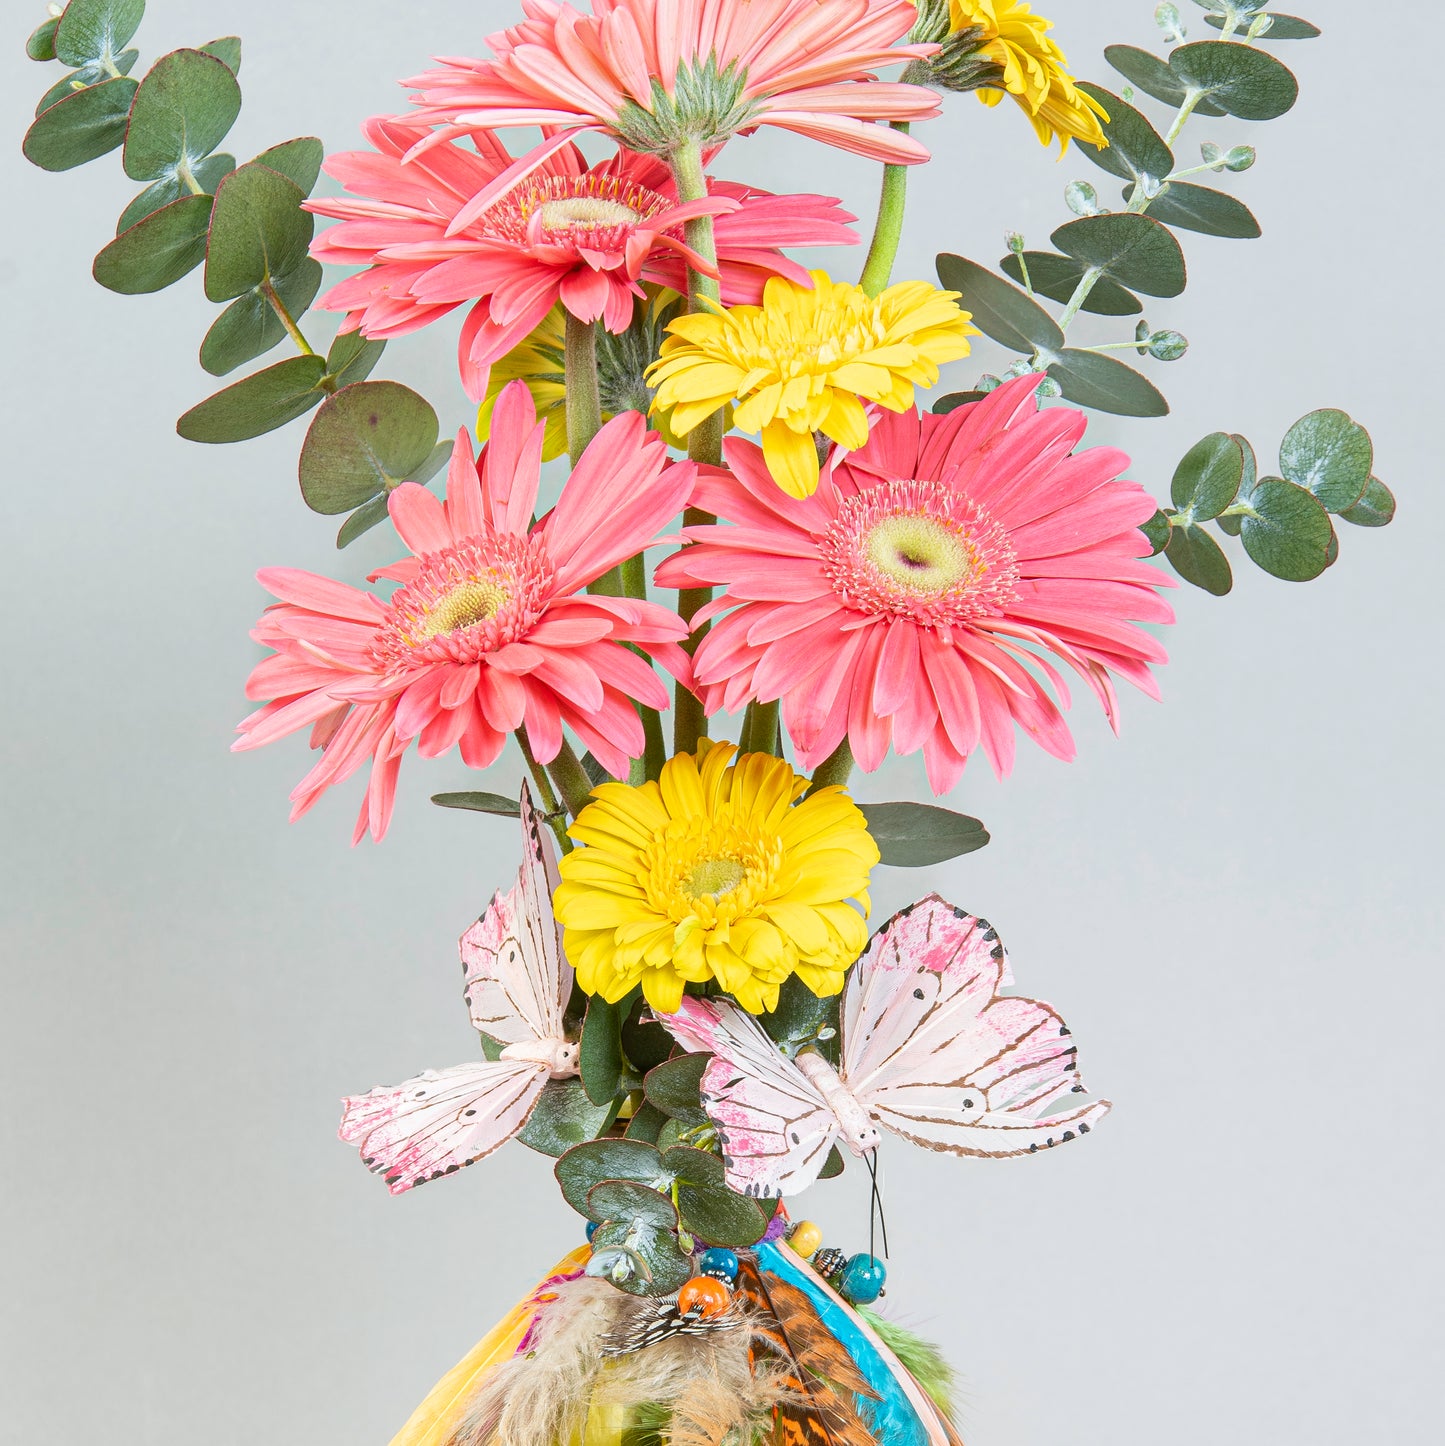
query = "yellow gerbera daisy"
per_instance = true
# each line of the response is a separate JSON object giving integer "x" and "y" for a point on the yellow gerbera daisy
{"x": 805, "y": 361}
{"x": 716, "y": 871}
{"x": 1034, "y": 70}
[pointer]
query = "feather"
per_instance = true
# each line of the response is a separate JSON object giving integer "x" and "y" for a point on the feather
{"x": 921, "y": 1358}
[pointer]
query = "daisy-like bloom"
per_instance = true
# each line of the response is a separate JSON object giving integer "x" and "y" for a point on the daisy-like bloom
{"x": 489, "y": 628}
{"x": 622, "y": 363}
{"x": 916, "y": 596}
{"x": 584, "y": 236}
{"x": 721, "y": 870}
{"x": 660, "y": 74}
{"x": 801, "y": 362}
{"x": 1034, "y": 69}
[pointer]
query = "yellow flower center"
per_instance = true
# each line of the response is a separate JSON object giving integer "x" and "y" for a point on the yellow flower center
{"x": 587, "y": 212}
{"x": 463, "y": 606}
{"x": 703, "y": 872}
{"x": 712, "y": 878}
{"x": 921, "y": 554}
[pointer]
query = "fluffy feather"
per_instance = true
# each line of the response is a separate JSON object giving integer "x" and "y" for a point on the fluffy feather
{"x": 923, "y": 1360}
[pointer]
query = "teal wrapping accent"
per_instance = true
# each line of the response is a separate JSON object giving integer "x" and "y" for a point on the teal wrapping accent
{"x": 891, "y": 1418}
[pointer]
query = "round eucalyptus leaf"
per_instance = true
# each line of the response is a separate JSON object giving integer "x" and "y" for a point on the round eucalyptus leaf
{"x": 1199, "y": 559}
{"x": 496, "y": 803}
{"x": 1091, "y": 379}
{"x": 954, "y": 400}
{"x": 1241, "y": 80}
{"x": 227, "y": 50}
{"x": 1375, "y": 509}
{"x": 1287, "y": 531}
{"x": 298, "y": 160}
{"x": 718, "y": 1216}
{"x": 802, "y": 1018}
{"x": 915, "y": 835}
{"x": 646, "y": 1123}
{"x": 998, "y": 308}
{"x": 85, "y": 77}
{"x": 1198, "y": 208}
{"x": 258, "y": 231}
{"x": 184, "y": 109}
{"x": 1156, "y": 531}
{"x": 619, "y": 1200}
{"x": 353, "y": 358}
{"x": 1207, "y": 478}
{"x": 370, "y": 515}
{"x": 675, "y": 1087}
{"x": 1285, "y": 27}
{"x": 652, "y": 1261}
{"x": 1135, "y": 251}
{"x": 1331, "y": 454}
{"x": 589, "y": 1164}
{"x": 258, "y": 405}
{"x": 207, "y": 174}
{"x": 833, "y": 1165}
{"x": 600, "y": 1051}
{"x": 1135, "y": 151}
{"x": 87, "y": 124}
{"x": 96, "y": 30}
{"x": 1153, "y": 76}
{"x": 158, "y": 251}
{"x": 1057, "y": 277}
{"x": 249, "y": 327}
{"x": 563, "y": 1117}
{"x": 41, "y": 45}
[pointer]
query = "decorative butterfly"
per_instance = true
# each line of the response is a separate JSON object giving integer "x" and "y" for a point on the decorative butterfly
{"x": 518, "y": 982}
{"x": 930, "y": 1050}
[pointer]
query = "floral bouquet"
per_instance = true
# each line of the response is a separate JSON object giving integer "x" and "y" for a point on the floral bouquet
{"x": 678, "y": 997}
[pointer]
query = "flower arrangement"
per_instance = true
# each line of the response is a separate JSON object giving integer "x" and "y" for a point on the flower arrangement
{"x": 678, "y": 997}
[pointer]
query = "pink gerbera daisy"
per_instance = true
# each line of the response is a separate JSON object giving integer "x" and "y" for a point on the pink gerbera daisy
{"x": 587, "y": 236}
{"x": 662, "y": 73}
{"x": 489, "y": 628}
{"x": 910, "y": 599}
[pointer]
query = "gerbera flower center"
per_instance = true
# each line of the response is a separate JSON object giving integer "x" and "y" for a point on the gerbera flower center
{"x": 587, "y": 212}
{"x": 597, "y": 210}
{"x": 920, "y": 550}
{"x": 712, "y": 878}
{"x": 710, "y": 871}
{"x": 466, "y": 602}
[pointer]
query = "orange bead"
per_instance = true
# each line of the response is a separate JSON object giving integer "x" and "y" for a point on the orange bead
{"x": 704, "y": 1294}
{"x": 805, "y": 1238}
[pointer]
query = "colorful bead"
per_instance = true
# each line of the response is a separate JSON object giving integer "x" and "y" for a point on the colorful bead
{"x": 861, "y": 1279}
{"x": 805, "y": 1238}
{"x": 719, "y": 1262}
{"x": 704, "y": 1295}
{"x": 591, "y": 1230}
{"x": 829, "y": 1262}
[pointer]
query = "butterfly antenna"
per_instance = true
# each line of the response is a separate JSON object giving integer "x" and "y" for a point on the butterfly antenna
{"x": 875, "y": 1206}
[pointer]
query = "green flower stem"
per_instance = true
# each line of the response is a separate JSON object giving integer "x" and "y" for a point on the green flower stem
{"x": 571, "y": 779}
{"x": 835, "y": 768}
{"x": 584, "y": 400}
{"x": 634, "y": 585}
{"x": 760, "y": 728}
{"x": 285, "y": 317}
{"x": 704, "y": 442}
{"x": 545, "y": 791}
{"x": 888, "y": 230}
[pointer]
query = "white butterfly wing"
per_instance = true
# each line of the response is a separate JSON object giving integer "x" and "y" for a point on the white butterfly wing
{"x": 439, "y": 1121}
{"x": 936, "y": 1054}
{"x": 517, "y": 979}
{"x": 775, "y": 1127}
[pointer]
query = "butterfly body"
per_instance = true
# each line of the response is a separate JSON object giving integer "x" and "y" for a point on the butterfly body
{"x": 854, "y": 1122}
{"x": 557, "y": 1056}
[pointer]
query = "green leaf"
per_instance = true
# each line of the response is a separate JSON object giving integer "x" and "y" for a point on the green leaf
{"x": 1199, "y": 559}
{"x": 1090, "y": 379}
{"x": 1136, "y": 251}
{"x": 88, "y": 75}
{"x": 833, "y": 1165}
{"x": 645, "y": 1042}
{"x": 298, "y": 160}
{"x": 1233, "y": 525}
{"x": 1057, "y": 277}
{"x": 258, "y": 405}
{"x": 1287, "y": 532}
{"x": 1285, "y": 27}
{"x": 228, "y": 51}
{"x": 601, "y": 1050}
{"x": 362, "y": 521}
{"x": 1197, "y": 208}
{"x": 1330, "y": 454}
{"x": 81, "y": 127}
{"x": 258, "y": 231}
{"x": 1156, "y": 530}
{"x": 619, "y": 1200}
{"x": 184, "y": 109}
{"x": 646, "y": 1124}
{"x": 366, "y": 440}
{"x": 674, "y": 1087}
{"x": 915, "y": 835}
{"x": 1207, "y": 478}
{"x": 564, "y": 1117}
{"x": 709, "y": 1210}
{"x": 1135, "y": 151}
{"x": 1239, "y": 79}
{"x": 1375, "y": 509}
{"x": 1146, "y": 71}
{"x": 495, "y": 803}
{"x": 672, "y": 1132}
{"x": 660, "y": 1265}
{"x": 249, "y": 327}
{"x": 93, "y": 31}
{"x": 352, "y": 359}
{"x": 954, "y": 400}
{"x": 802, "y": 1018}
{"x": 157, "y": 252}
{"x": 41, "y": 45}
{"x": 207, "y": 175}
{"x": 999, "y": 309}
{"x": 587, "y": 1165}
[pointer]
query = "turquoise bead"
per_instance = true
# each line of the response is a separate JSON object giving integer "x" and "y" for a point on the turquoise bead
{"x": 861, "y": 1279}
{"x": 718, "y": 1262}
{"x": 591, "y": 1230}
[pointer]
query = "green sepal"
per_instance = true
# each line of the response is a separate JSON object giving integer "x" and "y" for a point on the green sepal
{"x": 564, "y": 1117}
{"x": 707, "y": 1208}
{"x": 227, "y": 50}
{"x": 94, "y": 31}
{"x": 1207, "y": 478}
{"x": 82, "y": 127}
{"x": 1198, "y": 558}
{"x": 158, "y": 251}
{"x": 1331, "y": 455}
{"x": 249, "y": 327}
{"x": 184, "y": 109}
{"x": 298, "y": 160}
{"x": 1375, "y": 509}
{"x": 600, "y": 1054}
{"x": 1287, "y": 531}
{"x": 258, "y": 405}
{"x": 998, "y": 308}
{"x": 494, "y": 803}
{"x": 1241, "y": 80}
{"x": 1090, "y": 379}
{"x": 208, "y": 174}
{"x": 1198, "y": 208}
{"x": 1135, "y": 251}
{"x": 915, "y": 835}
{"x": 675, "y": 1086}
{"x": 1135, "y": 151}
{"x": 1147, "y": 72}
{"x": 259, "y": 231}
{"x": 1057, "y": 277}
{"x": 588, "y": 1164}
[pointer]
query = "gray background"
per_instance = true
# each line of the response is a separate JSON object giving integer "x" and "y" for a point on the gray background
{"x": 1237, "y": 904}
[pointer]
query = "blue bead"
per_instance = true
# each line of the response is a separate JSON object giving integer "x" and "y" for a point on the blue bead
{"x": 719, "y": 1262}
{"x": 861, "y": 1279}
{"x": 591, "y": 1230}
